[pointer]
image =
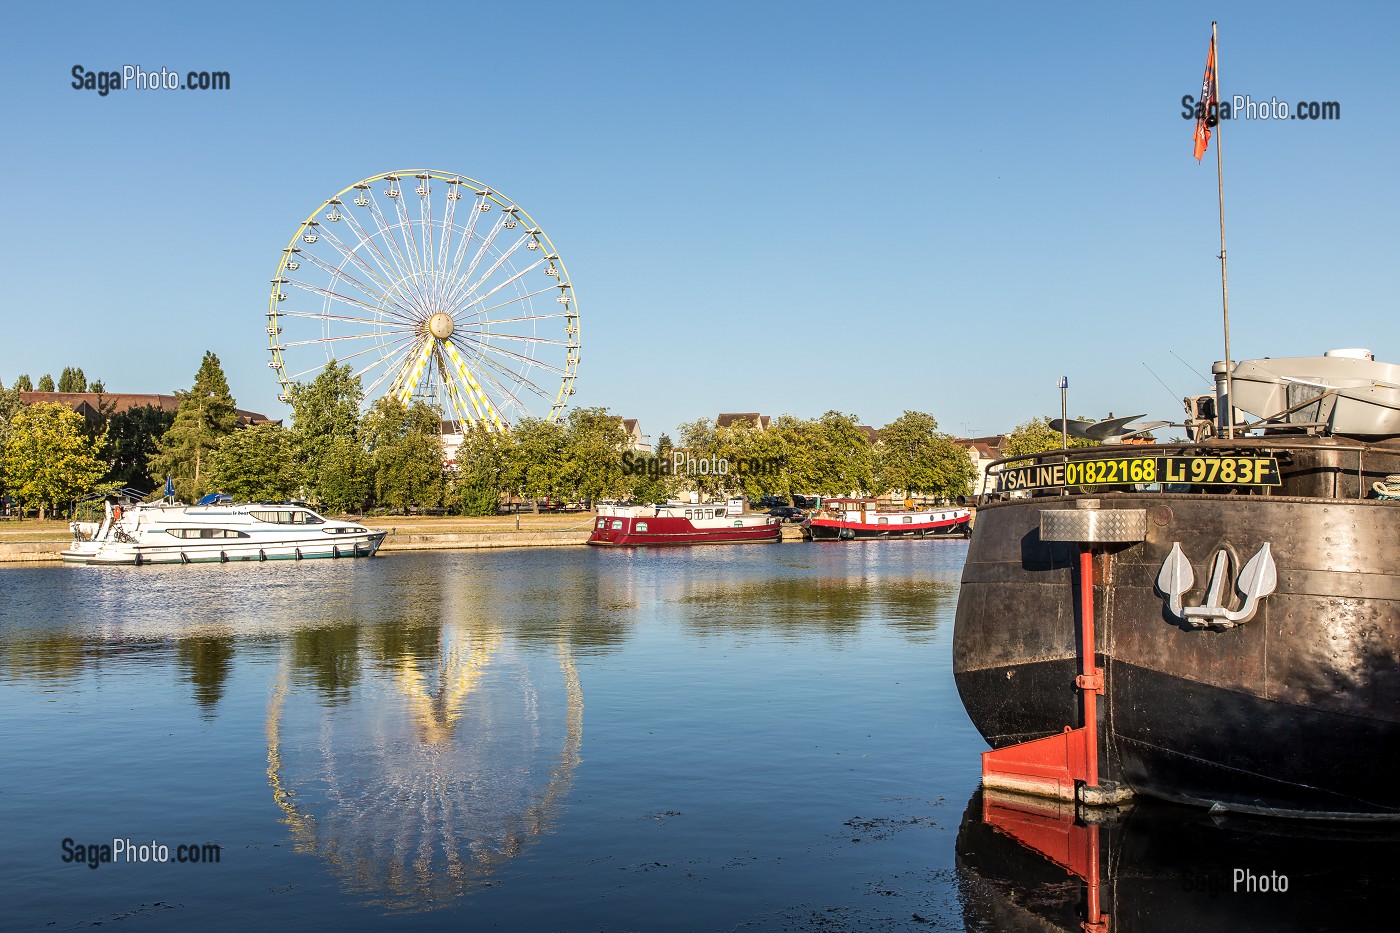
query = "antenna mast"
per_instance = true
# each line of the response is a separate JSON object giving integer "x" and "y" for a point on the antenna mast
{"x": 1224, "y": 280}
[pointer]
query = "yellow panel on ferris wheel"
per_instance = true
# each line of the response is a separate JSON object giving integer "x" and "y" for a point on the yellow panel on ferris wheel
{"x": 461, "y": 407}
{"x": 473, "y": 386}
{"x": 405, "y": 390}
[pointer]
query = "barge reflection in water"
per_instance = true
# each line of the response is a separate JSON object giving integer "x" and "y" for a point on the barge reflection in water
{"x": 1029, "y": 863}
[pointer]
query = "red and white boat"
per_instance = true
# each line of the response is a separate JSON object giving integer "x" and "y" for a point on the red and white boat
{"x": 675, "y": 523}
{"x": 858, "y": 519}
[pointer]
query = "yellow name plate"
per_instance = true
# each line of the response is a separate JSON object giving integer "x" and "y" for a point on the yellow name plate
{"x": 1132, "y": 471}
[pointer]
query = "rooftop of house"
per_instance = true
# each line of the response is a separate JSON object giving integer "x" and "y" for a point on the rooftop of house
{"x": 93, "y": 404}
{"x": 728, "y": 418}
{"x": 988, "y": 448}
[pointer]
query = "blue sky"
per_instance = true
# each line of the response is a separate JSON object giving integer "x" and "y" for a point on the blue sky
{"x": 788, "y": 207}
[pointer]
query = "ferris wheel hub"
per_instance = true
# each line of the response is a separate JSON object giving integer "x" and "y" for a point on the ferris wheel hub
{"x": 440, "y": 325}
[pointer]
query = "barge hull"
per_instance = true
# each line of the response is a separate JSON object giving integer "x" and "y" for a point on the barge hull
{"x": 1296, "y": 711}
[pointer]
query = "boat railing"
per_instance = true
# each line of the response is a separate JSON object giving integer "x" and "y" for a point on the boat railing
{"x": 1009, "y": 477}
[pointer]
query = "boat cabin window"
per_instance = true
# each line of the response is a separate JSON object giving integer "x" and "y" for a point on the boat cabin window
{"x": 641, "y": 526}
{"x": 883, "y": 521}
{"x": 908, "y": 520}
{"x": 602, "y": 523}
{"x": 297, "y": 517}
{"x": 688, "y": 514}
{"x": 617, "y": 526}
{"x": 204, "y": 533}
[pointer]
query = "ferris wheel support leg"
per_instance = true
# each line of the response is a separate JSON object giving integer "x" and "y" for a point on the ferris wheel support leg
{"x": 404, "y": 390}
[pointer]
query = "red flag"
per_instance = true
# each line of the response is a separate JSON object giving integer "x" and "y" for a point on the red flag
{"x": 1209, "y": 105}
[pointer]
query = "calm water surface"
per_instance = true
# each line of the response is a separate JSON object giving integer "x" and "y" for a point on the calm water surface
{"x": 761, "y": 737}
{"x": 706, "y": 738}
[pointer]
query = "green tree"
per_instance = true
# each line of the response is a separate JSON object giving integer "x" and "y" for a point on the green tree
{"x": 405, "y": 453}
{"x": 1036, "y": 436}
{"x": 913, "y": 456}
{"x": 343, "y": 479}
{"x": 481, "y": 470}
{"x": 699, "y": 441}
{"x": 72, "y": 380}
{"x": 98, "y": 386}
{"x": 591, "y": 468}
{"x": 48, "y": 459}
{"x": 830, "y": 456}
{"x": 46, "y": 383}
{"x": 10, "y": 405}
{"x": 133, "y": 438}
{"x": 326, "y": 432}
{"x": 256, "y": 464}
{"x": 23, "y": 383}
{"x": 205, "y": 415}
{"x": 742, "y": 445}
{"x": 535, "y": 469}
{"x": 845, "y": 459}
{"x": 646, "y": 487}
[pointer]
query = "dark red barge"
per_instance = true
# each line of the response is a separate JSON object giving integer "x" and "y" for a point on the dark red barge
{"x": 680, "y": 524}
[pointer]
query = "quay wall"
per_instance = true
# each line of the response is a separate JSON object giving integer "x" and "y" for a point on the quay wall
{"x": 31, "y": 552}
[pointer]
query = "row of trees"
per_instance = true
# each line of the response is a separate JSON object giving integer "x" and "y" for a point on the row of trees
{"x": 50, "y": 454}
{"x": 832, "y": 455}
{"x": 346, "y": 459}
{"x": 391, "y": 456}
{"x": 71, "y": 380}
{"x": 46, "y": 457}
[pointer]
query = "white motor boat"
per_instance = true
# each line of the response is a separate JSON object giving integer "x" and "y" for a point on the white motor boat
{"x": 216, "y": 529}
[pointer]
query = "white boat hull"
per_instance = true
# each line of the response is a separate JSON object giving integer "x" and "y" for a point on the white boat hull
{"x": 220, "y": 532}
{"x": 116, "y": 553}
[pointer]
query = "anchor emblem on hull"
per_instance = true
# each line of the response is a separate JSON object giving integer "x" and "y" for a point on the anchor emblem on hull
{"x": 1257, "y": 579}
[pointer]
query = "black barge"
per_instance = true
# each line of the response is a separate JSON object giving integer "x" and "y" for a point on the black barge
{"x": 1244, "y": 609}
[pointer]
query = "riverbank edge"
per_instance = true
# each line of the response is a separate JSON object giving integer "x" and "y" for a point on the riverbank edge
{"x": 37, "y": 552}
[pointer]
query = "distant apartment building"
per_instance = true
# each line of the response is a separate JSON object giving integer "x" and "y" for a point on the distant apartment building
{"x": 983, "y": 451}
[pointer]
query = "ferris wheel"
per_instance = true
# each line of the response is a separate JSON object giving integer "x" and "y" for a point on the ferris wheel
{"x": 431, "y": 286}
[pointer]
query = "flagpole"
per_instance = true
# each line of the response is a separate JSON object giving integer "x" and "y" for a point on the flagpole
{"x": 1224, "y": 281}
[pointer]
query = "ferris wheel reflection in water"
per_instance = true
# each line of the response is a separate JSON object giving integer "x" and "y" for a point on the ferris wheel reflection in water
{"x": 455, "y": 763}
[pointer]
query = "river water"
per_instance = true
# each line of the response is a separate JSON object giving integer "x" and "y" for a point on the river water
{"x": 752, "y": 738}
